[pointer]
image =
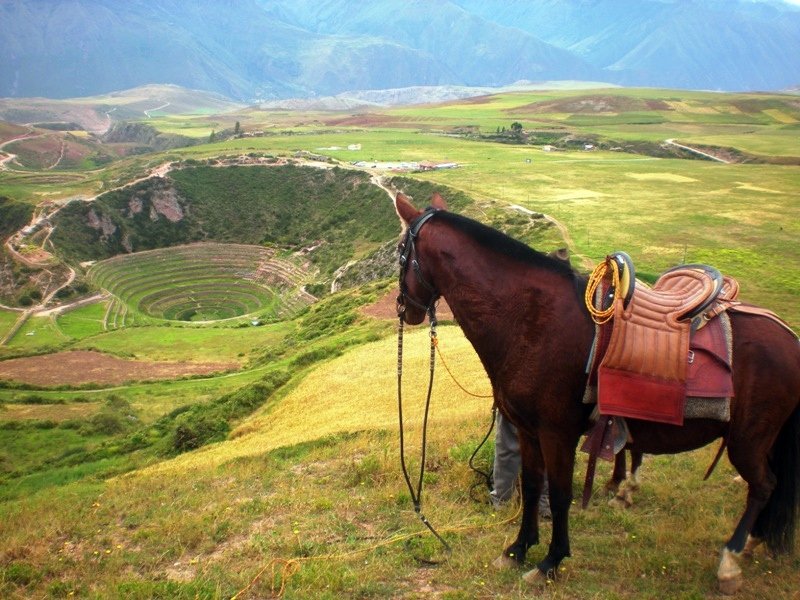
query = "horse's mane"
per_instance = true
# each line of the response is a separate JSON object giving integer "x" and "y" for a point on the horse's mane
{"x": 500, "y": 242}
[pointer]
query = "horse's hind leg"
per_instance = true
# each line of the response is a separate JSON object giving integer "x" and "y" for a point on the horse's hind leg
{"x": 761, "y": 482}
{"x": 618, "y": 474}
{"x": 623, "y": 498}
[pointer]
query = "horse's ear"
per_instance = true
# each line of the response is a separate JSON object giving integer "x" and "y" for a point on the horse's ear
{"x": 438, "y": 202}
{"x": 561, "y": 254}
{"x": 404, "y": 208}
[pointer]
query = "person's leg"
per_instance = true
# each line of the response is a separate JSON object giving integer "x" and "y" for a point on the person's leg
{"x": 544, "y": 501}
{"x": 505, "y": 471}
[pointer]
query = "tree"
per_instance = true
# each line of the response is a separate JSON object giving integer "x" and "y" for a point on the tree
{"x": 516, "y": 130}
{"x": 237, "y": 129}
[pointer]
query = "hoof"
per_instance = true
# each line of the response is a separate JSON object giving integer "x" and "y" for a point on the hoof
{"x": 749, "y": 547}
{"x": 503, "y": 562}
{"x": 728, "y": 586}
{"x": 729, "y": 574}
{"x": 623, "y": 502}
{"x": 536, "y": 577}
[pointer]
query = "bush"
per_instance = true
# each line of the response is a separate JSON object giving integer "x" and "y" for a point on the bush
{"x": 196, "y": 429}
{"x": 210, "y": 422}
{"x": 106, "y": 423}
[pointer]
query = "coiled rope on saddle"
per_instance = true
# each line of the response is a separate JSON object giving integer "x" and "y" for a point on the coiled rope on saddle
{"x": 601, "y": 271}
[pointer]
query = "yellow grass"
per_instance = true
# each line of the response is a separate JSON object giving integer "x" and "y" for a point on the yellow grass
{"x": 691, "y": 107}
{"x": 356, "y": 392}
{"x": 671, "y": 177}
{"x": 579, "y": 194}
{"x": 752, "y": 188}
{"x": 47, "y": 412}
{"x": 780, "y": 116}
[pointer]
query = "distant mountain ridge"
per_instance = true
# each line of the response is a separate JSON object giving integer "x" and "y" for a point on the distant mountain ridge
{"x": 275, "y": 49}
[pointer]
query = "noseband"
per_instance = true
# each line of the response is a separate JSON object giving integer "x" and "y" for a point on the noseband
{"x": 408, "y": 255}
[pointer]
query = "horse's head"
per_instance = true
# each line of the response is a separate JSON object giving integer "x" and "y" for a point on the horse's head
{"x": 418, "y": 294}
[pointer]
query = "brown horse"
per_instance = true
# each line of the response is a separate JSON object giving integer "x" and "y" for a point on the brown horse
{"x": 524, "y": 314}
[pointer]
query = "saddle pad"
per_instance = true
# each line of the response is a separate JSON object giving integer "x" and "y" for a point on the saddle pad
{"x": 627, "y": 394}
{"x": 708, "y": 376}
{"x": 709, "y": 373}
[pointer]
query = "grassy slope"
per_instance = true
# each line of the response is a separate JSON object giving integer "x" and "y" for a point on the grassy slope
{"x": 325, "y": 491}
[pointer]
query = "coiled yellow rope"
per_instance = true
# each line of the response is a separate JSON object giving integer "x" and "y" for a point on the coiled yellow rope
{"x": 600, "y": 272}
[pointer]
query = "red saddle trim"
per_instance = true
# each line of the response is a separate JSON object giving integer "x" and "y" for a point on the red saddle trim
{"x": 626, "y": 394}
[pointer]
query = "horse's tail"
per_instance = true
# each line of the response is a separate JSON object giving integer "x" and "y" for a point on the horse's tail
{"x": 777, "y": 522}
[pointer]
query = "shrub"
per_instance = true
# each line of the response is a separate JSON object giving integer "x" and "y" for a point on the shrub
{"x": 106, "y": 423}
{"x": 195, "y": 429}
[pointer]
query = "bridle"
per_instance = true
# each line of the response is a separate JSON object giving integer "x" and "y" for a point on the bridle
{"x": 408, "y": 256}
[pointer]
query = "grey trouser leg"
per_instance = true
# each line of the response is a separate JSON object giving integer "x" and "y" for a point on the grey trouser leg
{"x": 507, "y": 461}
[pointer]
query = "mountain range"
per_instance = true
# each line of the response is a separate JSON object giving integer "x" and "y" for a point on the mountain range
{"x": 251, "y": 50}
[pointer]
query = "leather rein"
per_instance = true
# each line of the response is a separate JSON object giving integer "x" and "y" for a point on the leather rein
{"x": 408, "y": 257}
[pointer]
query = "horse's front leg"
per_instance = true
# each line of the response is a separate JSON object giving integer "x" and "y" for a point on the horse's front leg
{"x": 559, "y": 455}
{"x": 530, "y": 489}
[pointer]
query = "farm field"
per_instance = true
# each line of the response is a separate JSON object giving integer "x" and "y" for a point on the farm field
{"x": 190, "y": 487}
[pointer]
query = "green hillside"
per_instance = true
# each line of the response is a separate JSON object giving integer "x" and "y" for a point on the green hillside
{"x": 337, "y": 212}
{"x": 169, "y": 482}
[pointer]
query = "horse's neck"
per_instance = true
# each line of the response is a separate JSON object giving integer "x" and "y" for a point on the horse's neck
{"x": 497, "y": 305}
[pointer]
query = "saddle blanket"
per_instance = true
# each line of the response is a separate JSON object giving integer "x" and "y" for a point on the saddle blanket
{"x": 708, "y": 378}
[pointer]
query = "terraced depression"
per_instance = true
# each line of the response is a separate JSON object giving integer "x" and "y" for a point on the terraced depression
{"x": 205, "y": 282}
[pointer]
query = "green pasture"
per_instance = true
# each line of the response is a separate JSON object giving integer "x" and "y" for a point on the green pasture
{"x": 616, "y": 106}
{"x": 52, "y": 331}
{"x": 7, "y": 320}
{"x": 35, "y": 187}
{"x": 84, "y": 321}
{"x": 194, "y": 126}
{"x": 194, "y": 344}
{"x": 151, "y": 400}
{"x": 37, "y": 334}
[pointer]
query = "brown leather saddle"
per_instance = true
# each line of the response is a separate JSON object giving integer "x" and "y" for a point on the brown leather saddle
{"x": 643, "y": 371}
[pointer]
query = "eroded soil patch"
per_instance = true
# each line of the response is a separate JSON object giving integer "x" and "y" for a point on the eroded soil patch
{"x": 81, "y": 367}
{"x": 385, "y": 308}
